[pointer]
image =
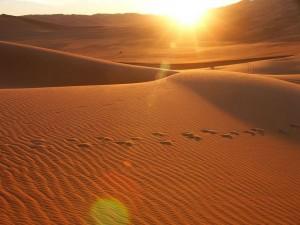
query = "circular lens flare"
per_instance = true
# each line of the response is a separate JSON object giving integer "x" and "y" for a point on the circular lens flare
{"x": 109, "y": 211}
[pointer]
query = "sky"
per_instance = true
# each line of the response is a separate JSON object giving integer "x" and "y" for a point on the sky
{"x": 24, "y": 7}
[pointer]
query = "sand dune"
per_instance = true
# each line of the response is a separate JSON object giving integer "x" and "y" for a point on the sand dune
{"x": 290, "y": 65}
{"x": 254, "y": 21}
{"x": 242, "y": 101}
{"x": 290, "y": 78}
{"x": 208, "y": 64}
{"x": 287, "y": 69}
{"x": 28, "y": 66}
{"x": 251, "y": 20}
{"x": 232, "y": 33}
{"x": 17, "y": 24}
{"x": 116, "y": 20}
{"x": 116, "y": 154}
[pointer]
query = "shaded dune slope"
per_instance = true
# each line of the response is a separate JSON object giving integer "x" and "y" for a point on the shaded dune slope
{"x": 287, "y": 69}
{"x": 17, "y": 24}
{"x": 250, "y": 98}
{"x": 256, "y": 22}
{"x": 283, "y": 66}
{"x": 59, "y": 159}
{"x": 27, "y": 66}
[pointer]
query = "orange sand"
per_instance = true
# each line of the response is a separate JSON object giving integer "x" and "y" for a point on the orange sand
{"x": 101, "y": 154}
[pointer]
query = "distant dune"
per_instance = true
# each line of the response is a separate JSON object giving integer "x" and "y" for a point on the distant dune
{"x": 214, "y": 64}
{"x": 251, "y": 20}
{"x": 258, "y": 20}
{"x": 108, "y": 20}
{"x": 27, "y": 66}
{"x": 289, "y": 65}
{"x": 20, "y": 24}
{"x": 231, "y": 33}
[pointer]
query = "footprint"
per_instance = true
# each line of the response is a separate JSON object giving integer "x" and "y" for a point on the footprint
{"x": 209, "y": 131}
{"x": 190, "y": 135}
{"x": 166, "y": 142}
{"x": 38, "y": 141}
{"x": 250, "y": 132}
{"x": 129, "y": 143}
{"x": 197, "y": 138}
{"x": 234, "y": 133}
{"x": 259, "y": 130}
{"x": 103, "y": 138}
{"x": 159, "y": 134}
{"x": 84, "y": 145}
{"x": 228, "y": 136}
{"x": 107, "y": 139}
{"x": 72, "y": 139}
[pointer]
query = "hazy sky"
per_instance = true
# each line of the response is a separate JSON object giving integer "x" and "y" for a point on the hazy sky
{"x": 21, "y": 7}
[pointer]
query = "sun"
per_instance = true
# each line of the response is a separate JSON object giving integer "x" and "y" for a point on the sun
{"x": 185, "y": 12}
{"x": 188, "y": 12}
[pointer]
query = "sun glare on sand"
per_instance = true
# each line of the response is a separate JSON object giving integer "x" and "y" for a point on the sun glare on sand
{"x": 186, "y": 12}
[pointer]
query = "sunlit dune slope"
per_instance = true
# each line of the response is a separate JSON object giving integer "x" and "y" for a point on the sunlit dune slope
{"x": 201, "y": 147}
{"x": 27, "y": 66}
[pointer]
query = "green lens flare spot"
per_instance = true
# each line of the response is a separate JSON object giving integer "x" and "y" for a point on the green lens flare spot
{"x": 109, "y": 211}
{"x": 164, "y": 66}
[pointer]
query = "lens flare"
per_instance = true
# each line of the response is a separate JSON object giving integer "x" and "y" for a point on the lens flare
{"x": 109, "y": 211}
{"x": 164, "y": 66}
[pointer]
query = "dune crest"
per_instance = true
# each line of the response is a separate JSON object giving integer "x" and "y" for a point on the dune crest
{"x": 28, "y": 66}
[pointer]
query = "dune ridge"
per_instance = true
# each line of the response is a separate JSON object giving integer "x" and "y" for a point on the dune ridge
{"x": 38, "y": 67}
{"x": 208, "y": 64}
{"x": 17, "y": 24}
